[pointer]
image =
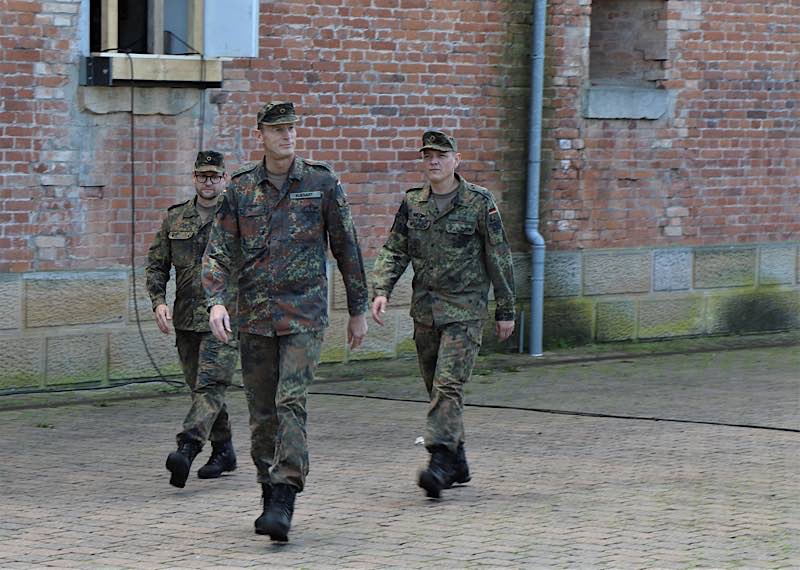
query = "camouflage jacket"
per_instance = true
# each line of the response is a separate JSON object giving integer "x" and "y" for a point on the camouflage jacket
{"x": 181, "y": 242}
{"x": 456, "y": 254}
{"x": 283, "y": 235}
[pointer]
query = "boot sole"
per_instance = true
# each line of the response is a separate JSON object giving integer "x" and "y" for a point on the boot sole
{"x": 430, "y": 484}
{"x": 179, "y": 470}
{"x": 463, "y": 481}
{"x": 202, "y": 475}
{"x": 275, "y": 533}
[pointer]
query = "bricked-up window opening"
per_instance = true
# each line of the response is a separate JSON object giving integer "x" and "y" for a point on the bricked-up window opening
{"x": 628, "y": 43}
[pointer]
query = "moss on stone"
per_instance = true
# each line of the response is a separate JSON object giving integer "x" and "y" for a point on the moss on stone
{"x": 567, "y": 322}
{"x": 757, "y": 310}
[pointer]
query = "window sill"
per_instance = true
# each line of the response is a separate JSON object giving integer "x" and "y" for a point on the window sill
{"x": 110, "y": 69}
{"x": 623, "y": 102}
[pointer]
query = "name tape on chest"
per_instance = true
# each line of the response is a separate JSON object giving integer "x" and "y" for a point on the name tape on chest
{"x": 304, "y": 195}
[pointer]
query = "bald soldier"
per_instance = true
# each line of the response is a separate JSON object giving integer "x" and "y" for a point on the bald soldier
{"x": 207, "y": 363}
{"x": 451, "y": 232}
{"x": 283, "y": 212}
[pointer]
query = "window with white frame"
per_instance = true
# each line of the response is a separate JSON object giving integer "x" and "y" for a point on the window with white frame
{"x": 176, "y": 41}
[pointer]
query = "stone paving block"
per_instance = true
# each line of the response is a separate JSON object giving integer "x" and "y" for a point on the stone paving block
{"x": 562, "y": 274}
{"x": 128, "y": 359}
{"x": 381, "y": 341}
{"x": 664, "y": 318}
{"x": 617, "y": 272}
{"x": 757, "y": 311}
{"x": 724, "y": 267}
{"x": 334, "y": 343}
{"x": 672, "y": 269}
{"x": 143, "y": 299}
{"x": 21, "y": 362}
{"x": 522, "y": 275}
{"x": 11, "y": 293}
{"x": 75, "y": 298}
{"x": 400, "y": 297}
{"x": 405, "y": 333}
{"x": 616, "y": 320}
{"x": 777, "y": 265}
{"x": 77, "y": 359}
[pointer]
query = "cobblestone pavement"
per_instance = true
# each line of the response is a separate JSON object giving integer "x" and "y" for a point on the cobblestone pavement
{"x": 85, "y": 486}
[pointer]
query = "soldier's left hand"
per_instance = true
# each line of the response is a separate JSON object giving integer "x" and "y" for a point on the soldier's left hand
{"x": 503, "y": 329}
{"x": 356, "y": 330}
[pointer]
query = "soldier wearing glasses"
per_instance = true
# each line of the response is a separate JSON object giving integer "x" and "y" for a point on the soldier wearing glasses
{"x": 207, "y": 363}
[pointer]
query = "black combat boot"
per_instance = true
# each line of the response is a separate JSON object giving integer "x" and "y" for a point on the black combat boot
{"x": 278, "y": 519}
{"x": 266, "y": 497}
{"x": 440, "y": 472}
{"x": 222, "y": 459}
{"x": 460, "y": 468}
{"x": 179, "y": 462}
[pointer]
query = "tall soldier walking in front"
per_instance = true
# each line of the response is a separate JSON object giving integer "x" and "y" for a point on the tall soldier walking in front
{"x": 283, "y": 212}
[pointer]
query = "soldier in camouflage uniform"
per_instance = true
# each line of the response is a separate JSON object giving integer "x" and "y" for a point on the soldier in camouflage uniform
{"x": 207, "y": 363}
{"x": 283, "y": 212}
{"x": 451, "y": 232}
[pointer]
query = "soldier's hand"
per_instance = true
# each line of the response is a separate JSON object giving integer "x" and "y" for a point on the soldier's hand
{"x": 220, "y": 322}
{"x": 163, "y": 318}
{"x": 356, "y": 330}
{"x": 503, "y": 329}
{"x": 379, "y": 308}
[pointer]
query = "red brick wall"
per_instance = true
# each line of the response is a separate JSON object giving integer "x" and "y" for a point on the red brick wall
{"x": 369, "y": 77}
{"x": 721, "y": 167}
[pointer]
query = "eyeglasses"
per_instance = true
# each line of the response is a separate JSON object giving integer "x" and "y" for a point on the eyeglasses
{"x": 213, "y": 178}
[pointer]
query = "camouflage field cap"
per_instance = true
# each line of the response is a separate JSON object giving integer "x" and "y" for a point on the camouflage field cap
{"x": 277, "y": 113}
{"x": 437, "y": 140}
{"x": 209, "y": 161}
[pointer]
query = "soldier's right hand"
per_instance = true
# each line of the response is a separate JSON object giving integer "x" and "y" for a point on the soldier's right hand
{"x": 220, "y": 322}
{"x": 163, "y": 318}
{"x": 379, "y": 308}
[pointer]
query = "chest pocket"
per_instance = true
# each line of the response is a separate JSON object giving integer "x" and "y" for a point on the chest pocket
{"x": 416, "y": 224}
{"x": 254, "y": 226}
{"x": 182, "y": 247}
{"x": 460, "y": 232}
{"x": 462, "y": 227}
{"x": 305, "y": 219}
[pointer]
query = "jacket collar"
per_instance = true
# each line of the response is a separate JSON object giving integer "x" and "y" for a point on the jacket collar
{"x": 296, "y": 170}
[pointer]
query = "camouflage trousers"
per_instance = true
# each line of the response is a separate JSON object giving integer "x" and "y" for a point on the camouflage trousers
{"x": 208, "y": 367}
{"x": 276, "y": 373}
{"x": 446, "y": 356}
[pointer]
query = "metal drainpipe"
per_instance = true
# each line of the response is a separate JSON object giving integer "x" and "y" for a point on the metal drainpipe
{"x": 534, "y": 173}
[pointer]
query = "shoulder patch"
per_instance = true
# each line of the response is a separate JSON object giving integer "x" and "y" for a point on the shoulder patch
{"x": 245, "y": 168}
{"x": 480, "y": 190}
{"x": 319, "y": 163}
{"x": 179, "y": 204}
